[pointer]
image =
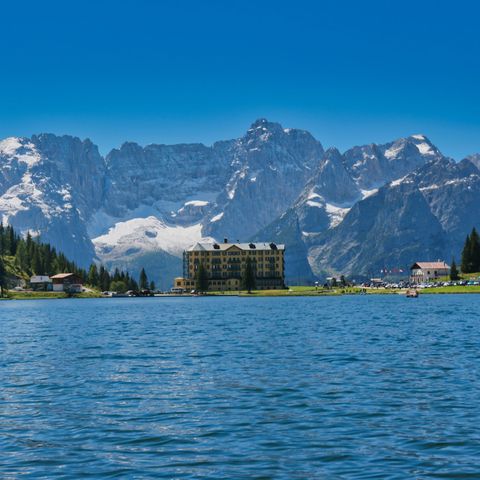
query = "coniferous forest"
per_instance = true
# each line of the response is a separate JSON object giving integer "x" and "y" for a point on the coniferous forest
{"x": 28, "y": 256}
{"x": 471, "y": 253}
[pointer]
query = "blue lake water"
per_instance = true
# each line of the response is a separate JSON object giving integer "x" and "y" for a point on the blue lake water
{"x": 350, "y": 387}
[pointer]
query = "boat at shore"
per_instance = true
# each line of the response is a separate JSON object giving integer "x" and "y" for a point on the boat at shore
{"x": 412, "y": 293}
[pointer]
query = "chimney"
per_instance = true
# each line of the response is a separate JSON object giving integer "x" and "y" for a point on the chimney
{"x": 225, "y": 240}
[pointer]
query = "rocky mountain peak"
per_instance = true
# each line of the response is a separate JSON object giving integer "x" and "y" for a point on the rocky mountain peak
{"x": 373, "y": 165}
{"x": 413, "y": 145}
{"x": 475, "y": 159}
{"x": 264, "y": 131}
{"x": 333, "y": 155}
{"x": 261, "y": 134}
{"x": 263, "y": 124}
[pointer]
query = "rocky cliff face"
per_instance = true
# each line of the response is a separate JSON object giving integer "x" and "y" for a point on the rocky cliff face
{"x": 164, "y": 178}
{"x": 269, "y": 168}
{"x": 387, "y": 229}
{"x": 425, "y": 215}
{"x": 141, "y": 206}
{"x": 372, "y": 165}
{"x": 338, "y": 184}
{"x": 51, "y": 185}
{"x": 475, "y": 159}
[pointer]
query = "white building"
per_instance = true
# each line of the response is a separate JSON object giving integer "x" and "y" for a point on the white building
{"x": 422, "y": 272}
{"x": 41, "y": 282}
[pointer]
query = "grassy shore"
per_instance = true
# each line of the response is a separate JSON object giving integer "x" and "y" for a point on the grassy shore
{"x": 307, "y": 291}
{"x": 14, "y": 295}
{"x": 295, "y": 291}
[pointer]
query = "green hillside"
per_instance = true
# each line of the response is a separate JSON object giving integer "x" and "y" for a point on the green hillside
{"x": 21, "y": 257}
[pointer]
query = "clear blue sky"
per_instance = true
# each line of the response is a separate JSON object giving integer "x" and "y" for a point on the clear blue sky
{"x": 351, "y": 72}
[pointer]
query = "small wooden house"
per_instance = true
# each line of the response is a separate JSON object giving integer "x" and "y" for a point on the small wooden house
{"x": 67, "y": 282}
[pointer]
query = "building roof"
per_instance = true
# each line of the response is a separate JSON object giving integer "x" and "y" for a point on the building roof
{"x": 212, "y": 247}
{"x": 40, "y": 279}
{"x": 431, "y": 265}
{"x": 61, "y": 276}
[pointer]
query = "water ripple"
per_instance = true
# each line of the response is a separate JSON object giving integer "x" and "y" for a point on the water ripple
{"x": 350, "y": 387}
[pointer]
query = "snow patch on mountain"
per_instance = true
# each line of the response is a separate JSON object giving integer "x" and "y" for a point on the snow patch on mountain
{"x": 197, "y": 203}
{"x": 10, "y": 204}
{"x": 397, "y": 182}
{"x": 425, "y": 149}
{"x": 393, "y": 151}
{"x": 423, "y": 145}
{"x": 368, "y": 193}
{"x": 335, "y": 213}
{"x": 19, "y": 149}
{"x": 24, "y": 196}
{"x": 312, "y": 203}
{"x": 23, "y": 193}
{"x": 216, "y": 218}
{"x": 148, "y": 234}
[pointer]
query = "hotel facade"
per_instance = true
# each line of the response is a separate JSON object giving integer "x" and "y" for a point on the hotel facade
{"x": 225, "y": 265}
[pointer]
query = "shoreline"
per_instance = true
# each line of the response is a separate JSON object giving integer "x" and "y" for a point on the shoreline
{"x": 291, "y": 292}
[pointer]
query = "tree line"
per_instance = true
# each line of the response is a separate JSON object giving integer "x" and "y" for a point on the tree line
{"x": 33, "y": 257}
{"x": 471, "y": 253}
{"x": 119, "y": 281}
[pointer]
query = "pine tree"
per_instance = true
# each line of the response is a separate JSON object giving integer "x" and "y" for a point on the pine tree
{"x": 104, "y": 279}
{"x": 2, "y": 239}
{"x": 132, "y": 284}
{"x": 3, "y": 277}
{"x": 466, "y": 257}
{"x": 36, "y": 263}
{"x": 116, "y": 275}
{"x": 152, "y": 286}
{"x": 475, "y": 250}
{"x": 29, "y": 245}
{"x": 92, "y": 278}
{"x": 471, "y": 253}
{"x": 201, "y": 279}
{"x": 249, "y": 276}
{"x": 143, "y": 280}
{"x": 21, "y": 257}
{"x": 454, "y": 271}
{"x": 12, "y": 241}
{"x": 50, "y": 255}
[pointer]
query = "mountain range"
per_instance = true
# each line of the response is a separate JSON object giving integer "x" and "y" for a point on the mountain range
{"x": 370, "y": 208}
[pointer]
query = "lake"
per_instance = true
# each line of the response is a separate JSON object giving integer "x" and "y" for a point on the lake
{"x": 326, "y": 387}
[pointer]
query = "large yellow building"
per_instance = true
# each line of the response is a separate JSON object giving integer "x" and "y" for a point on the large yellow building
{"x": 225, "y": 265}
